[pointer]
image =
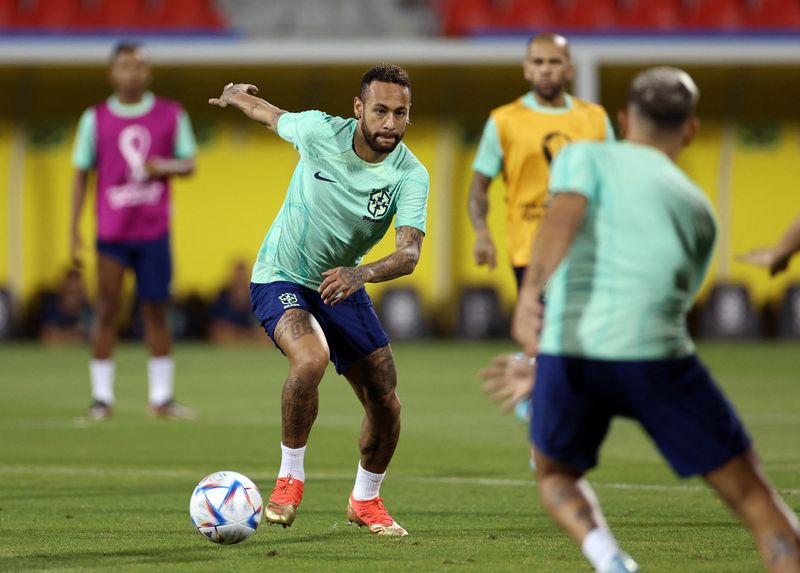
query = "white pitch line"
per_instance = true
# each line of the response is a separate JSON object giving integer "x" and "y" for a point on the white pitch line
{"x": 495, "y": 482}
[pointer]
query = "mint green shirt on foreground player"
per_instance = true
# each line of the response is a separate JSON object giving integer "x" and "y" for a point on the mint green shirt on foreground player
{"x": 631, "y": 275}
{"x": 338, "y": 206}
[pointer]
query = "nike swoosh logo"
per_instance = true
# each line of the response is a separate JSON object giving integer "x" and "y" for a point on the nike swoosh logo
{"x": 318, "y": 175}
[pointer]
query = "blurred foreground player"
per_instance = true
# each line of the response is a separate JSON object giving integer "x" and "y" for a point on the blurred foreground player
{"x": 627, "y": 240}
{"x": 136, "y": 142}
{"x": 353, "y": 177}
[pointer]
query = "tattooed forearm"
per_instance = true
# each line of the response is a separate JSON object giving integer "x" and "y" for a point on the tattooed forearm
{"x": 408, "y": 246}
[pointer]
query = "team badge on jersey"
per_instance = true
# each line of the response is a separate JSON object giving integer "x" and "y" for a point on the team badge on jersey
{"x": 379, "y": 201}
{"x": 288, "y": 300}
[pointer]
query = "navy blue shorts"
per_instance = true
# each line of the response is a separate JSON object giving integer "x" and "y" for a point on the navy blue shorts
{"x": 676, "y": 401}
{"x": 351, "y": 328}
{"x": 150, "y": 260}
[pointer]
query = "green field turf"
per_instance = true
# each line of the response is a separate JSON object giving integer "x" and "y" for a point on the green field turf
{"x": 114, "y": 495}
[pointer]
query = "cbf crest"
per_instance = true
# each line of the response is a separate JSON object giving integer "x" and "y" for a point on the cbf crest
{"x": 379, "y": 201}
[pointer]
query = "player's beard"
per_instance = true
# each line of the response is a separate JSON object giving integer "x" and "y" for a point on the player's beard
{"x": 549, "y": 93}
{"x": 372, "y": 142}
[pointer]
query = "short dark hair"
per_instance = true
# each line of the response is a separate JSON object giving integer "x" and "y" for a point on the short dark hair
{"x": 388, "y": 73}
{"x": 665, "y": 95}
{"x": 124, "y": 47}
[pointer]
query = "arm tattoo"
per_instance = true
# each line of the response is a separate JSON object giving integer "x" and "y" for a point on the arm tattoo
{"x": 402, "y": 261}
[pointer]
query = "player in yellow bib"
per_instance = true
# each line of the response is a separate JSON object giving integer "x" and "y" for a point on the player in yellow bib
{"x": 520, "y": 140}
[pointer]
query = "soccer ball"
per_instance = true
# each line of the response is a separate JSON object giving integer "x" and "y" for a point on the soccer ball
{"x": 226, "y": 507}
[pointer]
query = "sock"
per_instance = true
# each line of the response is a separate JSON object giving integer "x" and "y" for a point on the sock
{"x": 599, "y": 547}
{"x": 102, "y": 376}
{"x": 368, "y": 484}
{"x": 160, "y": 372}
{"x": 292, "y": 463}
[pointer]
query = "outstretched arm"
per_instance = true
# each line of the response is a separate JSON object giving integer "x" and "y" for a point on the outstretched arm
{"x": 564, "y": 216}
{"x": 777, "y": 257}
{"x": 341, "y": 282}
{"x": 242, "y": 96}
{"x": 483, "y": 251}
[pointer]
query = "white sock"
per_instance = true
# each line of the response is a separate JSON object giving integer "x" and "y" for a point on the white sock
{"x": 599, "y": 547}
{"x": 160, "y": 374}
{"x": 368, "y": 484}
{"x": 292, "y": 463}
{"x": 102, "y": 376}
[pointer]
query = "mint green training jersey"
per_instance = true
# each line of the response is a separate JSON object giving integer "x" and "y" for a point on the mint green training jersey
{"x": 626, "y": 284}
{"x": 338, "y": 206}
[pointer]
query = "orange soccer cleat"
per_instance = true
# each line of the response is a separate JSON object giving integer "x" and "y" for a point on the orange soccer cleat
{"x": 284, "y": 500}
{"x": 374, "y": 515}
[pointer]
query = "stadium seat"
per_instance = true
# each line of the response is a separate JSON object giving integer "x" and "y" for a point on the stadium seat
{"x": 728, "y": 313}
{"x": 190, "y": 14}
{"x": 51, "y": 14}
{"x": 585, "y": 14}
{"x": 401, "y": 313}
{"x": 712, "y": 14}
{"x": 773, "y": 14}
{"x": 527, "y": 15}
{"x": 463, "y": 17}
{"x": 647, "y": 15}
{"x": 120, "y": 14}
{"x": 480, "y": 314}
{"x": 789, "y": 313}
{"x": 8, "y": 9}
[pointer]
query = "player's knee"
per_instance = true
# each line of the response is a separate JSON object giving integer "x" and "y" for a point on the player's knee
{"x": 310, "y": 366}
{"x": 106, "y": 314}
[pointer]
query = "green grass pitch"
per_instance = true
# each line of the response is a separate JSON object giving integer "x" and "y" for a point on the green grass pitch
{"x": 114, "y": 495}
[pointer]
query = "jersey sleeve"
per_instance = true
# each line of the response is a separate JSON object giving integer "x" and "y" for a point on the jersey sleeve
{"x": 84, "y": 149}
{"x": 489, "y": 158}
{"x": 185, "y": 144}
{"x": 412, "y": 203}
{"x": 306, "y": 130}
{"x": 573, "y": 171}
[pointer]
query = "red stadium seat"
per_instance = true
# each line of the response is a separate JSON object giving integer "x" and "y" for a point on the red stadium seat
{"x": 585, "y": 14}
{"x": 523, "y": 15}
{"x": 190, "y": 14}
{"x": 8, "y": 9}
{"x": 774, "y": 14}
{"x": 119, "y": 14}
{"x": 462, "y": 17}
{"x": 648, "y": 14}
{"x": 712, "y": 14}
{"x": 52, "y": 14}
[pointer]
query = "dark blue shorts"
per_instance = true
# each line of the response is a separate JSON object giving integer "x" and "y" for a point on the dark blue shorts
{"x": 676, "y": 401}
{"x": 150, "y": 260}
{"x": 351, "y": 328}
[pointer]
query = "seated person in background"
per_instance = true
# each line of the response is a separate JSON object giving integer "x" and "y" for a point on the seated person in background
{"x": 232, "y": 318}
{"x": 65, "y": 317}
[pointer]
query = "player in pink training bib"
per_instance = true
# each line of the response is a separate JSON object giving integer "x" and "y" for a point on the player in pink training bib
{"x": 135, "y": 142}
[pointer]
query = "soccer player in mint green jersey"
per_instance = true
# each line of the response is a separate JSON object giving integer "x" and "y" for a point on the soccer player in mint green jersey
{"x": 353, "y": 177}
{"x": 625, "y": 245}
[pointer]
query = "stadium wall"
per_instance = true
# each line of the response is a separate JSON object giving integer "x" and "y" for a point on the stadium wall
{"x": 222, "y": 213}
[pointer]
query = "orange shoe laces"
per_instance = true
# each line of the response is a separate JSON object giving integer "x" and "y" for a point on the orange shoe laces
{"x": 287, "y": 490}
{"x": 372, "y": 511}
